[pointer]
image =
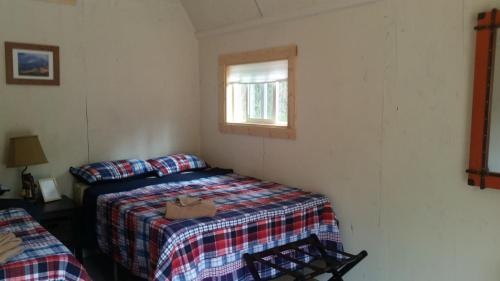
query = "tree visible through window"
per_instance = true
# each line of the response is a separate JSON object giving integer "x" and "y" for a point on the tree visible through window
{"x": 258, "y": 103}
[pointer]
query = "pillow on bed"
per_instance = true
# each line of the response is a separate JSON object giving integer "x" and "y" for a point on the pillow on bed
{"x": 176, "y": 163}
{"x": 112, "y": 170}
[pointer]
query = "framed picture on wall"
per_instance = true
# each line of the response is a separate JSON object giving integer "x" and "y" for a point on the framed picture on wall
{"x": 31, "y": 64}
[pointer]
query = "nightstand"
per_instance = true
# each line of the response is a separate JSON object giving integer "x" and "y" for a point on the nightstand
{"x": 61, "y": 218}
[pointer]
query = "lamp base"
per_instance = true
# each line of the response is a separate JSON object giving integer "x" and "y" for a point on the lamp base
{"x": 28, "y": 185}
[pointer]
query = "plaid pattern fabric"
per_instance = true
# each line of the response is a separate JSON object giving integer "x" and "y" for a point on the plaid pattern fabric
{"x": 112, "y": 170}
{"x": 176, "y": 163}
{"x": 252, "y": 216}
{"x": 43, "y": 258}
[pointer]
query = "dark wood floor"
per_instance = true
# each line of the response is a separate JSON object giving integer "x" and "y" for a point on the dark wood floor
{"x": 100, "y": 268}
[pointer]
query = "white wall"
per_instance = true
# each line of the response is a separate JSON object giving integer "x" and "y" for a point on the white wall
{"x": 134, "y": 62}
{"x": 383, "y": 112}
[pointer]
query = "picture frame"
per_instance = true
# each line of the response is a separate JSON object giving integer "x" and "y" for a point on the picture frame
{"x": 32, "y": 64}
{"x": 48, "y": 188}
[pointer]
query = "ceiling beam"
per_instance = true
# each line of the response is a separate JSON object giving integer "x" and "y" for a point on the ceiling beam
{"x": 258, "y": 8}
{"x": 334, "y": 5}
{"x": 64, "y": 2}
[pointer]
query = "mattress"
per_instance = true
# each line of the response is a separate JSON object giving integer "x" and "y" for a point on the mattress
{"x": 43, "y": 257}
{"x": 93, "y": 192}
{"x": 79, "y": 189}
{"x": 253, "y": 216}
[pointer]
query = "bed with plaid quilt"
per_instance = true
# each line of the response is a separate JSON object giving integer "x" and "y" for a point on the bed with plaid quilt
{"x": 253, "y": 216}
{"x": 43, "y": 256}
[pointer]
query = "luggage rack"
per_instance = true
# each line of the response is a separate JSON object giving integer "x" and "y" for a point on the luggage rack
{"x": 337, "y": 265}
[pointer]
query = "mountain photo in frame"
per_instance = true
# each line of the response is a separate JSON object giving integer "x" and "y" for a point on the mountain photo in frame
{"x": 31, "y": 64}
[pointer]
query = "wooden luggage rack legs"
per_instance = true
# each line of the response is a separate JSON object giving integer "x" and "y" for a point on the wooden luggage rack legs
{"x": 337, "y": 265}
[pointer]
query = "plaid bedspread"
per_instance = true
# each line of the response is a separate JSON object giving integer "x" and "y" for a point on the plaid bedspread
{"x": 43, "y": 258}
{"x": 252, "y": 216}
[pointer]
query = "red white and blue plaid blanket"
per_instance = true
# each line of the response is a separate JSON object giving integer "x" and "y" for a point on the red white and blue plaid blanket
{"x": 253, "y": 215}
{"x": 43, "y": 257}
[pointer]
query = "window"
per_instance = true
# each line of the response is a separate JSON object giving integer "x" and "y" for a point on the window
{"x": 257, "y": 92}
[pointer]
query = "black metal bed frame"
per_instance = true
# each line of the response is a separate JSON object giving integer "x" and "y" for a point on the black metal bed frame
{"x": 337, "y": 265}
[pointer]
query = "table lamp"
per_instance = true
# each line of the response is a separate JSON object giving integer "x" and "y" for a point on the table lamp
{"x": 23, "y": 152}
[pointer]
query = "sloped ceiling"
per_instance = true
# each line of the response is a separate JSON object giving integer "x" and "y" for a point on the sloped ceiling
{"x": 209, "y": 15}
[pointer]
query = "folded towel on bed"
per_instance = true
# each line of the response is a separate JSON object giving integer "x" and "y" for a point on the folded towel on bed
{"x": 10, "y": 246}
{"x": 5, "y": 256}
{"x": 188, "y": 201}
{"x": 6, "y": 237}
{"x": 190, "y": 208}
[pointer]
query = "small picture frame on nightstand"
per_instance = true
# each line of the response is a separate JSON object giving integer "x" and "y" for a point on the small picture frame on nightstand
{"x": 48, "y": 187}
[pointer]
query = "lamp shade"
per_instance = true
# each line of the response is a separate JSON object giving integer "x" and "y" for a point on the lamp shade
{"x": 25, "y": 151}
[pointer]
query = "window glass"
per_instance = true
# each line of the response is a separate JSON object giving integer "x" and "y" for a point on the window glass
{"x": 257, "y": 93}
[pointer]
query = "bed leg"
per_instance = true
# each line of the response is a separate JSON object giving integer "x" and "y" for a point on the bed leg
{"x": 115, "y": 271}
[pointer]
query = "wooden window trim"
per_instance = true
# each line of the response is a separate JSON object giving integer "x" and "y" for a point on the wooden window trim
{"x": 264, "y": 55}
